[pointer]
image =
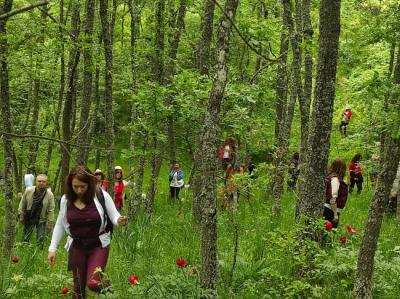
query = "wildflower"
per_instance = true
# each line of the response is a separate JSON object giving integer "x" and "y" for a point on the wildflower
{"x": 17, "y": 278}
{"x": 92, "y": 283}
{"x": 181, "y": 262}
{"x": 328, "y": 226}
{"x": 97, "y": 270}
{"x": 343, "y": 239}
{"x": 351, "y": 230}
{"x": 15, "y": 259}
{"x": 64, "y": 291}
{"x": 133, "y": 279}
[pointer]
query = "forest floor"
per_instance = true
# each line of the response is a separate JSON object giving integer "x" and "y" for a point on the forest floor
{"x": 271, "y": 262}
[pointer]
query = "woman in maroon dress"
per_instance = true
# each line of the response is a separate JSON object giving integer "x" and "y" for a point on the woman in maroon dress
{"x": 83, "y": 218}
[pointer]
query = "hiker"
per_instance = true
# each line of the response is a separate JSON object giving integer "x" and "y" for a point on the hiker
{"x": 346, "y": 117}
{"x": 230, "y": 188}
{"x": 356, "y": 177}
{"x": 293, "y": 172}
{"x": 175, "y": 181}
{"x": 336, "y": 192}
{"x": 251, "y": 168}
{"x": 36, "y": 210}
{"x": 227, "y": 153}
{"x": 392, "y": 203}
{"x": 100, "y": 180}
{"x": 84, "y": 214}
{"x": 119, "y": 187}
{"x": 29, "y": 179}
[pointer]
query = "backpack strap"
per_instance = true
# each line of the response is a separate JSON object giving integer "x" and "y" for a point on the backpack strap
{"x": 100, "y": 198}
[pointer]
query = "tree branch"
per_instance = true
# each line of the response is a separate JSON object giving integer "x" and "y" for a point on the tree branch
{"x": 23, "y": 9}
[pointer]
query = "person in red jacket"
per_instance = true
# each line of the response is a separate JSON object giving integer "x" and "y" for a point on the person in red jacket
{"x": 227, "y": 153}
{"x": 336, "y": 192}
{"x": 119, "y": 186}
{"x": 346, "y": 117}
{"x": 356, "y": 177}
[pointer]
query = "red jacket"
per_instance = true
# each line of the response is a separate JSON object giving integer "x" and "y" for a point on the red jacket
{"x": 355, "y": 168}
{"x": 222, "y": 151}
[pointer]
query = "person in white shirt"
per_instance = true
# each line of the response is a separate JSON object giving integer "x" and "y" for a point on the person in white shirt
{"x": 29, "y": 179}
{"x": 175, "y": 181}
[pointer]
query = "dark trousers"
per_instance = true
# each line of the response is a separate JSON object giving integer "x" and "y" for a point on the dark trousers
{"x": 40, "y": 232}
{"x": 174, "y": 192}
{"x": 329, "y": 215}
{"x": 356, "y": 179}
{"x": 83, "y": 264}
{"x": 343, "y": 127}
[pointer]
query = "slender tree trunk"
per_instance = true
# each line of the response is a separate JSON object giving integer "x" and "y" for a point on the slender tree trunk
{"x": 108, "y": 100}
{"x": 139, "y": 177}
{"x": 312, "y": 177}
{"x": 74, "y": 55}
{"x": 305, "y": 100}
{"x": 9, "y": 217}
{"x": 133, "y": 207}
{"x": 391, "y": 157}
{"x": 206, "y": 36}
{"x": 208, "y": 161}
{"x": 84, "y": 120}
{"x": 56, "y": 126}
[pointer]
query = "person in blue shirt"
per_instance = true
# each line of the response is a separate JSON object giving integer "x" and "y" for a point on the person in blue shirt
{"x": 175, "y": 181}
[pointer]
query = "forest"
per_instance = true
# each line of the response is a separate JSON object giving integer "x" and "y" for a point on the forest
{"x": 253, "y": 147}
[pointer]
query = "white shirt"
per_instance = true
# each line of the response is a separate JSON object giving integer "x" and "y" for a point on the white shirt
{"x": 63, "y": 225}
{"x": 29, "y": 179}
{"x": 226, "y": 152}
{"x": 175, "y": 182}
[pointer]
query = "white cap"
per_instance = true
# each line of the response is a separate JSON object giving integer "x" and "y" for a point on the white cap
{"x": 117, "y": 168}
{"x": 98, "y": 171}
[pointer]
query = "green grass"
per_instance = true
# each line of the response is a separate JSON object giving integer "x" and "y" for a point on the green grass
{"x": 268, "y": 265}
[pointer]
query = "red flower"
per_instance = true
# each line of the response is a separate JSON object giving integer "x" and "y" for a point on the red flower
{"x": 328, "y": 226}
{"x": 64, "y": 291}
{"x": 181, "y": 262}
{"x": 351, "y": 230}
{"x": 343, "y": 239}
{"x": 133, "y": 279}
{"x": 92, "y": 283}
{"x": 15, "y": 259}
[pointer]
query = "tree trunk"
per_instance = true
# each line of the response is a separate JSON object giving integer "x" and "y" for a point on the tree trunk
{"x": 74, "y": 54}
{"x": 305, "y": 100}
{"x": 139, "y": 177}
{"x": 108, "y": 85}
{"x": 9, "y": 217}
{"x": 56, "y": 126}
{"x": 84, "y": 120}
{"x": 208, "y": 161}
{"x": 391, "y": 157}
{"x": 158, "y": 66}
{"x": 206, "y": 36}
{"x": 312, "y": 177}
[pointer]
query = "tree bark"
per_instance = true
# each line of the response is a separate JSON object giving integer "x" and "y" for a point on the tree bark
{"x": 312, "y": 177}
{"x": 61, "y": 89}
{"x": 391, "y": 157}
{"x": 206, "y": 36}
{"x": 9, "y": 217}
{"x": 84, "y": 120}
{"x": 139, "y": 177}
{"x": 74, "y": 55}
{"x": 108, "y": 100}
{"x": 208, "y": 161}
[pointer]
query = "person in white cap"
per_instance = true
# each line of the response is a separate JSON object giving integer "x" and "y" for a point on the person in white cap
{"x": 101, "y": 180}
{"x": 346, "y": 117}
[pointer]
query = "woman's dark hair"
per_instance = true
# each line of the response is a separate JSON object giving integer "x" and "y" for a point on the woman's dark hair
{"x": 338, "y": 167}
{"x": 83, "y": 174}
{"x": 296, "y": 156}
{"x": 101, "y": 175}
{"x": 356, "y": 158}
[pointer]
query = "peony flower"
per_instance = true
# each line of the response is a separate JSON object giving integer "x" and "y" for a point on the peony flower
{"x": 351, "y": 230}
{"x": 15, "y": 259}
{"x": 328, "y": 226}
{"x": 92, "y": 283}
{"x": 133, "y": 279}
{"x": 181, "y": 262}
{"x": 343, "y": 239}
{"x": 64, "y": 291}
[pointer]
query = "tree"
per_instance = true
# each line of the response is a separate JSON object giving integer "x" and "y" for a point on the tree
{"x": 390, "y": 161}
{"x": 208, "y": 145}
{"x": 312, "y": 176}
